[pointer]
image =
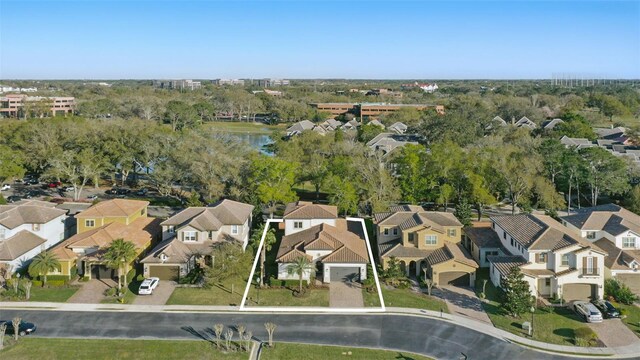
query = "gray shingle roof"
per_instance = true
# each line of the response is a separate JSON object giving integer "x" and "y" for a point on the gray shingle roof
{"x": 19, "y": 244}
{"x": 225, "y": 212}
{"x": 505, "y": 263}
{"x": 610, "y": 218}
{"x": 12, "y": 216}
{"x": 450, "y": 252}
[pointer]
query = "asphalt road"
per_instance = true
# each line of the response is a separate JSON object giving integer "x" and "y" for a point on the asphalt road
{"x": 430, "y": 337}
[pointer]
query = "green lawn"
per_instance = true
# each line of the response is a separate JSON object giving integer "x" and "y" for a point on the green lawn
{"x": 371, "y": 299}
{"x": 244, "y": 127}
{"x": 410, "y": 299}
{"x": 286, "y": 351}
{"x": 284, "y": 297}
{"x": 633, "y": 317}
{"x": 64, "y": 349}
{"x": 130, "y": 291}
{"x": 216, "y": 295}
{"x": 550, "y": 324}
{"x": 45, "y": 294}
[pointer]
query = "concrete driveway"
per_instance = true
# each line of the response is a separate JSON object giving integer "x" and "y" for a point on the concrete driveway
{"x": 613, "y": 333}
{"x": 160, "y": 294}
{"x": 462, "y": 301}
{"x": 91, "y": 292}
{"x": 344, "y": 294}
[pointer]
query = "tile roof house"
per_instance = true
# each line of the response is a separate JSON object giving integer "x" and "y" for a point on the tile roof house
{"x": 98, "y": 227}
{"x": 551, "y": 124}
{"x": 398, "y": 128}
{"x": 376, "y": 122}
{"x": 26, "y": 229}
{"x": 386, "y": 143}
{"x": 339, "y": 251}
{"x": 495, "y": 123}
{"x": 526, "y": 123}
{"x": 189, "y": 237}
{"x": 555, "y": 260}
{"x": 301, "y": 215}
{"x": 578, "y": 143}
{"x": 482, "y": 242}
{"x": 610, "y": 226}
{"x": 424, "y": 242}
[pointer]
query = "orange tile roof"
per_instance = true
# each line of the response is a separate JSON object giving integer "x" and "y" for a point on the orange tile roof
{"x": 113, "y": 208}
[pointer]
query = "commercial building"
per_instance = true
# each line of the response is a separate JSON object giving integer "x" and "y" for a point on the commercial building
{"x": 13, "y": 105}
{"x": 233, "y": 82}
{"x": 371, "y": 109}
{"x": 270, "y": 82}
{"x": 177, "y": 84}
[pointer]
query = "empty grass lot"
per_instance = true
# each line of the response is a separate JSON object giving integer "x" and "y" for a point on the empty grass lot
{"x": 553, "y": 325}
{"x": 64, "y": 349}
{"x": 216, "y": 295}
{"x": 407, "y": 299}
{"x": 286, "y": 351}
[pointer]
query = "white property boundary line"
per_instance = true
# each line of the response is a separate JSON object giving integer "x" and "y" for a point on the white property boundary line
{"x": 382, "y": 307}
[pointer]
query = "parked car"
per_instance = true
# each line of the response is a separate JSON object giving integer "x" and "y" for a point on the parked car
{"x": 69, "y": 188}
{"x": 606, "y": 308}
{"x": 23, "y": 329}
{"x": 92, "y": 197}
{"x": 57, "y": 200}
{"x": 5, "y": 187}
{"x": 31, "y": 181}
{"x": 141, "y": 192}
{"x": 147, "y": 286}
{"x": 587, "y": 311}
{"x": 51, "y": 185}
{"x": 33, "y": 193}
{"x": 13, "y": 198}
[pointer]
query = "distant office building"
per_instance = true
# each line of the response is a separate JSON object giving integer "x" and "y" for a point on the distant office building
{"x": 270, "y": 82}
{"x": 13, "y": 105}
{"x": 428, "y": 88}
{"x": 234, "y": 82}
{"x": 371, "y": 109}
{"x": 6, "y": 89}
{"x": 177, "y": 84}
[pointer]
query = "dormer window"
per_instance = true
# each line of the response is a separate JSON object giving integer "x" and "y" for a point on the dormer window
{"x": 591, "y": 235}
{"x": 386, "y": 231}
{"x": 89, "y": 223}
{"x": 451, "y": 232}
{"x": 565, "y": 260}
{"x": 395, "y": 231}
{"x": 541, "y": 258}
{"x": 189, "y": 236}
{"x": 629, "y": 242}
{"x": 234, "y": 230}
{"x": 171, "y": 229}
{"x": 297, "y": 224}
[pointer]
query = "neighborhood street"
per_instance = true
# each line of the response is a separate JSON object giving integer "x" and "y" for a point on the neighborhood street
{"x": 430, "y": 337}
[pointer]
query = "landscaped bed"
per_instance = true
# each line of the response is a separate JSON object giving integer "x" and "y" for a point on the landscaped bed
{"x": 63, "y": 349}
{"x": 284, "y": 297}
{"x": 286, "y": 351}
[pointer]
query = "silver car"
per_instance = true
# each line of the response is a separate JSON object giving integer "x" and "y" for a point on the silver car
{"x": 587, "y": 311}
{"x": 147, "y": 286}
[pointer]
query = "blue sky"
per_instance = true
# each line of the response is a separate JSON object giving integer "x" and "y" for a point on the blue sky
{"x": 95, "y": 39}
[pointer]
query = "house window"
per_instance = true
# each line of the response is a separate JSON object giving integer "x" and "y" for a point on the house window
{"x": 547, "y": 282}
{"x": 35, "y": 227}
{"x": 504, "y": 235}
{"x": 234, "y": 229}
{"x": 172, "y": 229}
{"x": 210, "y": 235}
{"x": 493, "y": 226}
{"x": 2, "y": 233}
{"x": 542, "y": 258}
{"x": 489, "y": 253}
{"x": 386, "y": 231}
{"x": 591, "y": 235}
{"x": 565, "y": 260}
{"x": 451, "y": 232}
{"x": 395, "y": 231}
{"x": 89, "y": 223}
{"x": 431, "y": 239}
{"x": 190, "y": 236}
{"x": 298, "y": 225}
{"x": 629, "y": 242}
{"x": 512, "y": 244}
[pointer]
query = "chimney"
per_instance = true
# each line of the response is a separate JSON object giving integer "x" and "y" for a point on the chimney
{"x": 513, "y": 120}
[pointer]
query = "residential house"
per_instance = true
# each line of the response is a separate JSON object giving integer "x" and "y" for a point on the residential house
{"x": 376, "y": 122}
{"x": 189, "y": 237}
{"x": 336, "y": 246}
{"x": 425, "y": 243}
{"x": 496, "y": 123}
{"x": 350, "y": 125}
{"x": 616, "y": 134}
{"x": 331, "y": 124}
{"x": 28, "y": 228}
{"x": 398, "y": 127}
{"x": 482, "y": 242}
{"x": 577, "y": 143}
{"x": 386, "y": 143}
{"x": 556, "y": 261}
{"x": 551, "y": 124}
{"x": 299, "y": 127}
{"x": 98, "y": 227}
{"x": 526, "y": 123}
{"x": 610, "y": 226}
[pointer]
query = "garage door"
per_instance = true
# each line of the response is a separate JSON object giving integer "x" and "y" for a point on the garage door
{"x": 165, "y": 272}
{"x": 632, "y": 281}
{"x": 574, "y": 292}
{"x": 345, "y": 273}
{"x": 457, "y": 278}
{"x": 102, "y": 272}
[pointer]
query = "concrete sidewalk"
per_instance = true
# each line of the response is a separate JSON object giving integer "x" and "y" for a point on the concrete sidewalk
{"x": 630, "y": 351}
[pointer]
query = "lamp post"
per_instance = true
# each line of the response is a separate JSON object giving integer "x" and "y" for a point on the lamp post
{"x": 533, "y": 310}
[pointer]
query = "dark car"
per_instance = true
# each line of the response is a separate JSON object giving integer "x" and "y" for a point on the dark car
{"x": 118, "y": 192}
{"x": 141, "y": 192}
{"x": 607, "y": 309}
{"x": 13, "y": 198}
{"x": 33, "y": 193}
{"x": 31, "y": 181}
{"x": 24, "y": 328}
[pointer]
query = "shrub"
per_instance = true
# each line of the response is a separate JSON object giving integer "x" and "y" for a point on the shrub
{"x": 56, "y": 283}
{"x": 584, "y": 336}
{"x": 619, "y": 291}
{"x": 84, "y": 279}
{"x": 37, "y": 283}
{"x": 111, "y": 292}
{"x": 140, "y": 278}
{"x": 63, "y": 278}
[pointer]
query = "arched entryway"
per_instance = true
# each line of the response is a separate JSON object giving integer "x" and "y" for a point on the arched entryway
{"x": 412, "y": 268}
{"x": 403, "y": 266}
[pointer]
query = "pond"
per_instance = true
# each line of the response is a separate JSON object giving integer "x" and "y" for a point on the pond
{"x": 255, "y": 141}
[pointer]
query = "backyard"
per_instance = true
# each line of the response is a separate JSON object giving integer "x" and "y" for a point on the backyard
{"x": 554, "y": 325}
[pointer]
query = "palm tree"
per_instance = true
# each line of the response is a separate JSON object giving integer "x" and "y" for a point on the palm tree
{"x": 298, "y": 267}
{"x": 269, "y": 240}
{"x": 42, "y": 264}
{"x": 118, "y": 256}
